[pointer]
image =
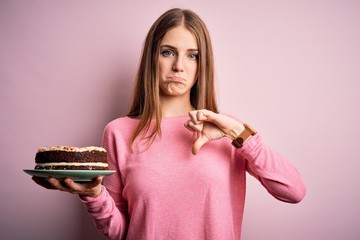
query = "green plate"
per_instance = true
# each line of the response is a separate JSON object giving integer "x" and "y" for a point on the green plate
{"x": 76, "y": 175}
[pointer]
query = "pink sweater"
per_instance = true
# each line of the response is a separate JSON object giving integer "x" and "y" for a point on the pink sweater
{"x": 166, "y": 192}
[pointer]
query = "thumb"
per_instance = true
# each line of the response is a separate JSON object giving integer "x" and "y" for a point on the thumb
{"x": 199, "y": 143}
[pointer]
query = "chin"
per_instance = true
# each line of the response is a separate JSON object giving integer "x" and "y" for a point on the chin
{"x": 175, "y": 92}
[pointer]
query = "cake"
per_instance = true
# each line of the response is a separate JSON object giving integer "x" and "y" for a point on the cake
{"x": 71, "y": 158}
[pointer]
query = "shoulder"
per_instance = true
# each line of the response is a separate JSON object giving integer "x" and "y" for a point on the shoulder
{"x": 122, "y": 122}
{"x": 121, "y": 125}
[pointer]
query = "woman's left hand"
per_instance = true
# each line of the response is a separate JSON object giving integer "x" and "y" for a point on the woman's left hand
{"x": 211, "y": 126}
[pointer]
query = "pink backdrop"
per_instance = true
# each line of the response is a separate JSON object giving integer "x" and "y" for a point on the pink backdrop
{"x": 290, "y": 68}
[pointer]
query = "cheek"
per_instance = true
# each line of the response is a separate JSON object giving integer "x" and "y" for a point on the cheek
{"x": 161, "y": 68}
{"x": 164, "y": 66}
{"x": 193, "y": 70}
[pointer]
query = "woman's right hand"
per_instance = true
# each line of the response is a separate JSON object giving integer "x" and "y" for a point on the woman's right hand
{"x": 90, "y": 189}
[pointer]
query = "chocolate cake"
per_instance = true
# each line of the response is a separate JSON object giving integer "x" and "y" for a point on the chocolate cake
{"x": 71, "y": 158}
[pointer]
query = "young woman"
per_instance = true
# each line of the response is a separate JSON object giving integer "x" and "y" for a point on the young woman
{"x": 180, "y": 164}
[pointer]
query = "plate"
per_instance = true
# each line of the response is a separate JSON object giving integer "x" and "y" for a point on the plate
{"x": 76, "y": 175}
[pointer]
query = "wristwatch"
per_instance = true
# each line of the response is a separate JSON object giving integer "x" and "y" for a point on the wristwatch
{"x": 245, "y": 135}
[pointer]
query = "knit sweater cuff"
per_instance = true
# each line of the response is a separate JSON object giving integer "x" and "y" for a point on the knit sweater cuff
{"x": 100, "y": 198}
{"x": 249, "y": 150}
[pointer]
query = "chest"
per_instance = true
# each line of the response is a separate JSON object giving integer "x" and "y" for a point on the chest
{"x": 168, "y": 171}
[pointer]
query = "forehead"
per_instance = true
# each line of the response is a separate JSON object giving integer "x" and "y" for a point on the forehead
{"x": 180, "y": 37}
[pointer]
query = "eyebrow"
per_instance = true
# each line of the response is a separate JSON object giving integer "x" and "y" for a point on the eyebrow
{"x": 172, "y": 47}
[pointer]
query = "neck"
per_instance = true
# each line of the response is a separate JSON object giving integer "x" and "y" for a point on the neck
{"x": 175, "y": 106}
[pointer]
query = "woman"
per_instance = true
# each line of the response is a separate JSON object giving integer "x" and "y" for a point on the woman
{"x": 177, "y": 174}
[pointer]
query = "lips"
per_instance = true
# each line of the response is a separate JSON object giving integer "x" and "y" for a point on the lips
{"x": 176, "y": 79}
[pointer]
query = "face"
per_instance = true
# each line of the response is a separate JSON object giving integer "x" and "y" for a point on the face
{"x": 178, "y": 62}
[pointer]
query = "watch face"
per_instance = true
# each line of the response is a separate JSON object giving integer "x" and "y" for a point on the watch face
{"x": 240, "y": 140}
{"x": 248, "y": 132}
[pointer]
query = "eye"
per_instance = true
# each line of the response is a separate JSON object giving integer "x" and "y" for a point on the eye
{"x": 167, "y": 53}
{"x": 194, "y": 56}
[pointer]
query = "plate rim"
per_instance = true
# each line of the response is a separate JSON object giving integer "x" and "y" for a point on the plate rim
{"x": 76, "y": 175}
{"x": 63, "y": 170}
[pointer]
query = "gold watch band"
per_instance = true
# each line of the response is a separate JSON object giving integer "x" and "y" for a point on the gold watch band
{"x": 239, "y": 141}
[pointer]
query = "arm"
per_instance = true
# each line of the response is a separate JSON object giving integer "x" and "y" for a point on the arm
{"x": 109, "y": 219}
{"x": 109, "y": 209}
{"x": 277, "y": 175}
{"x": 103, "y": 202}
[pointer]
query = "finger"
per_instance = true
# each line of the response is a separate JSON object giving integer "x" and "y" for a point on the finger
{"x": 186, "y": 125}
{"x": 193, "y": 116}
{"x": 56, "y": 184}
{"x": 197, "y": 116}
{"x": 99, "y": 179}
{"x": 201, "y": 115}
{"x": 95, "y": 182}
{"x": 199, "y": 143}
{"x": 70, "y": 184}
{"x": 42, "y": 182}
{"x": 75, "y": 187}
{"x": 194, "y": 127}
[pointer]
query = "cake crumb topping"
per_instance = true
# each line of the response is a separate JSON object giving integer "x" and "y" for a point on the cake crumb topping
{"x": 71, "y": 149}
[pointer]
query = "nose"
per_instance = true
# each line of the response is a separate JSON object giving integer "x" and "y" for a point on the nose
{"x": 178, "y": 65}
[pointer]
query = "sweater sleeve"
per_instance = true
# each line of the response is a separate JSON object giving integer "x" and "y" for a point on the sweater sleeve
{"x": 280, "y": 178}
{"x": 109, "y": 220}
{"x": 109, "y": 210}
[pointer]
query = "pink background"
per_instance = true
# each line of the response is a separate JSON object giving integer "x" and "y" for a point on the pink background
{"x": 290, "y": 68}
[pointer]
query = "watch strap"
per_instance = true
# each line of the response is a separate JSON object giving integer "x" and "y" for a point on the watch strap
{"x": 239, "y": 141}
